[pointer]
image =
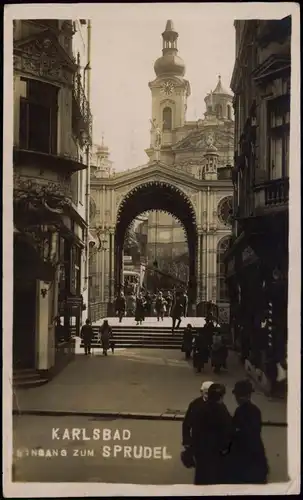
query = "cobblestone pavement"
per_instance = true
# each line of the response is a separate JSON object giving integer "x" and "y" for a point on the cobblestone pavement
{"x": 88, "y": 460}
{"x": 139, "y": 380}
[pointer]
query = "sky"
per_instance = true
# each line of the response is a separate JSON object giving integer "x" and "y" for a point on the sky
{"x": 126, "y": 41}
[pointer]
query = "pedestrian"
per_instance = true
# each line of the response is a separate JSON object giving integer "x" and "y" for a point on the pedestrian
{"x": 169, "y": 301}
{"x": 192, "y": 414}
{"x": 201, "y": 350}
{"x": 209, "y": 329}
{"x": 187, "y": 343}
{"x": 211, "y": 426}
{"x": 177, "y": 312}
{"x": 120, "y": 306}
{"x": 106, "y": 336}
{"x": 248, "y": 462}
{"x": 131, "y": 305}
{"x": 148, "y": 306}
{"x": 160, "y": 306}
{"x": 185, "y": 303}
{"x": 140, "y": 309}
{"x": 87, "y": 336}
{"x": 217, "y": 352}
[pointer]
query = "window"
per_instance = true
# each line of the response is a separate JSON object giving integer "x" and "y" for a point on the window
{"x": 75, "y": 267}
{"x": 222, "y": 289}
{"x": 229, "y": 112}
{"x": 209, "y": 109}
{"x": 219, "y": 110}
{"x": 278, "y": 137}
{"x": 225, "y": 210}
{"x": 39, "y": 117}
{"x": 167, "y": 119}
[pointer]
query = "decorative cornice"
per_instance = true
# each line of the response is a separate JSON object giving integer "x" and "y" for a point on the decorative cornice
{"x": 53, "y": 196}
{"x": 41, "y": 55}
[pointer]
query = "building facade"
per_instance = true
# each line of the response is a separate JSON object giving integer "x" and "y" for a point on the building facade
{"x": 189, "y": 163}
{"x": 52, "y": 138}
{"x": 101, "y": 168}
{"x": 257, "y": 261}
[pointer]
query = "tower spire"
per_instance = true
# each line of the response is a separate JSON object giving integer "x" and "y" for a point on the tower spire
{"x": 170, "y": 62}
{"x": 170, "y": 37}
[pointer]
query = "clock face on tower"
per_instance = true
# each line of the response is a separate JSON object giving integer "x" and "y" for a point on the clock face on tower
{"x": 167, "y": 87}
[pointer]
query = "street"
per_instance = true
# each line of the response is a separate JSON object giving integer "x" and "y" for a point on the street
{"x": 147, "y": 453}
{"x": 139, "y": 380}
{"x": 148, "y": 381}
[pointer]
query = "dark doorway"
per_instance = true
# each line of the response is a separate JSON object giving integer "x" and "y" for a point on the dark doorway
{"x": 24, "y": 324}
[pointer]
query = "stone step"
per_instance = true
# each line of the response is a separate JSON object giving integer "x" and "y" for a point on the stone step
{"x": 27, "y": 378}
{"x": 140, "y": 346}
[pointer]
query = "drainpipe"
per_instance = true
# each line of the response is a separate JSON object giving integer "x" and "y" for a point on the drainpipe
{"x": 87, "y": 190}
{"x": 206, "y": 243}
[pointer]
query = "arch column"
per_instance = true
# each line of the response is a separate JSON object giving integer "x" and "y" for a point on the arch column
{"x": 200, "y": 266}
{"x": 111, "y": 279}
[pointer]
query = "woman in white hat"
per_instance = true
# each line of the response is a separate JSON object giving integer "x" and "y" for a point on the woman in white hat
{"x": 193, "y": 410}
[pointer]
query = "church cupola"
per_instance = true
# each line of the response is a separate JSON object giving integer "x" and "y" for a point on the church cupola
{"x": 170, "y": 63}
{"x": 103, "y": 165}
{"x": 219, "y": 103}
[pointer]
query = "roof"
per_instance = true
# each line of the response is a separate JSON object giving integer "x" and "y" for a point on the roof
{"x": 219, "y": 88}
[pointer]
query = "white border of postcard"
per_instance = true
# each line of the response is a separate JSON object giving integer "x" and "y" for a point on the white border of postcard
{"x": 251, "y": 10}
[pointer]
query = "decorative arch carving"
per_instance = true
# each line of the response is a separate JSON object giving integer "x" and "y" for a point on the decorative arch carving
{"x": 123, "y": 193}
{"x": 157, "y": 195}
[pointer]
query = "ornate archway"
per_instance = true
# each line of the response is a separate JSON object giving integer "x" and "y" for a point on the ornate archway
{"x": 157, "y": 196}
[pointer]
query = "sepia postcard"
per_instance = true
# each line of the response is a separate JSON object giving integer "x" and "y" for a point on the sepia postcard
{"x": 151, "y": 249}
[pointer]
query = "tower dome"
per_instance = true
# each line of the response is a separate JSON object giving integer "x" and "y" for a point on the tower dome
{"x": 220, "y": 89}
{"x": 102, "y": 150}
{"x": 170, "y": 63}
{"x": 219, "y": 103}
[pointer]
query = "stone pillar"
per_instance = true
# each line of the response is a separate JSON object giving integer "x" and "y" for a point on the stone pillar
{"x": 200, "y": 267}
{"x": 111, "y": 265}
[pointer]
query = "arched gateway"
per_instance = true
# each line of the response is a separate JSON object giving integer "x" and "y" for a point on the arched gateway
{"x": 157, "y": 195}
{"x": 116, "y": 200}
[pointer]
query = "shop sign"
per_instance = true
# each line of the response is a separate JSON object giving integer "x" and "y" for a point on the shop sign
{"x": 74, "y": 301}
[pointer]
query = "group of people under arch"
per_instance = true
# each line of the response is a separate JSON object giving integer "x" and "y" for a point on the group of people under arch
{"x": 170, "y": 303}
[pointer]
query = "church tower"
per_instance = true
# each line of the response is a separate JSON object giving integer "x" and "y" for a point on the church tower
{"x": 102, "y": 165}
{"x": 219, "y": 104}
{"x": 170, "y": 91}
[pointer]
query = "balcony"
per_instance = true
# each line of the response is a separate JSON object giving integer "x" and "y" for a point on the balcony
{"x": 272, "y": 195}
{"x": 81, "y": 114}
{"x": 62, "y": 163}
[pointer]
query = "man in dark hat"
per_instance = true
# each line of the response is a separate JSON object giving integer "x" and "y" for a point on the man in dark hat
{"x": 210, "y": 436}
{"x": 247, "y": 454}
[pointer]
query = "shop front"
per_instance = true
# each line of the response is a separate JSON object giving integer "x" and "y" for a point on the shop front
{"x": 257, "y": 274}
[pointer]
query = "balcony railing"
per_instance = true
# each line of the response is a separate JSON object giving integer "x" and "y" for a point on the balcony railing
{"x": 272, "y": 194}
{"x": 81, "y": 111}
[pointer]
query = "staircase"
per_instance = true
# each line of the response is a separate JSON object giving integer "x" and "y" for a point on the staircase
{"x": 147, "y": 337}
{"x": 27, "y": 378}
